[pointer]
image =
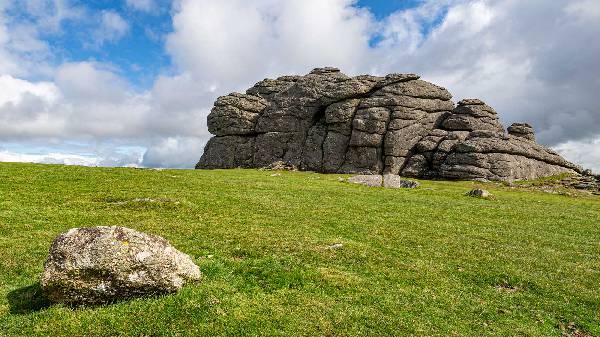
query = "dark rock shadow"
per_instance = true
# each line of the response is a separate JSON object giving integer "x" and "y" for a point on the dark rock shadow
{"x": 27, "y": 300}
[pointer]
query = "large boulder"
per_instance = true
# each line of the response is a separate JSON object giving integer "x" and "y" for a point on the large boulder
{"x": 398, "y": 124}
{"x": 105, "y": 264}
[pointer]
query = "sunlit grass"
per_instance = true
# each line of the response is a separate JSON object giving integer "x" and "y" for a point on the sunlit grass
{"x": 429, "y": 261}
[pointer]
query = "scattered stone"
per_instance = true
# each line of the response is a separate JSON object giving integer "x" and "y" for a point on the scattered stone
{"x": 335, "y": 246}
{"x": 585, "y": 181}
{"x": 144, "y": 200}
{"x": 399, "y": 124}
{"x": 507, "y": 288}
{"x": 367, "y": 180}
{"x": 279, "y": 166}
{"x": 479, "y": 193}
{"x": 276, "y": 175}
{"x": 394, "y": 181}
{"x": 99, "y": 265}
{"x": 571, "y": 330}
{"x": 387, "y": 181}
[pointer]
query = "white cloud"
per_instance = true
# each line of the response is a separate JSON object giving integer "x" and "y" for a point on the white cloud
{"x": 50, "y": 158}
{"x": 585, "y": 152}
{"x": 88, "y": 102}
{"x": 50, "y": 14}
{"x": 234, "y": 43}
{"x": 176, "y": 152}
{"x": 15, "y": 90}
{"x": 584, "y": 9}
{"x": 85, "y": 101}
{"x": 90, "y": 81}
{"x": 111, "y": 28}
{"x": 23, "y": 52}
{"x": 98, "y": 159}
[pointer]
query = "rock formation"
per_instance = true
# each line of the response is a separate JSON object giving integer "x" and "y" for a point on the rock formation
{"x": 105, "y": 264}
{"x": 397, "y": 124}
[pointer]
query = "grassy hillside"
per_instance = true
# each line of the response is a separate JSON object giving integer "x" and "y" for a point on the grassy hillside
{"x": 422, "y": 262}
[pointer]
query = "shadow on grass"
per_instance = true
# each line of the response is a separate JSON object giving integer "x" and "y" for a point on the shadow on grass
{"x": 26, "y": 300}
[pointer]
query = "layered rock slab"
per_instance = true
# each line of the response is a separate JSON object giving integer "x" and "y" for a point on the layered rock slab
{"x": 399, "y": 124}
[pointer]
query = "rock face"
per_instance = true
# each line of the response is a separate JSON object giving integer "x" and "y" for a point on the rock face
{"x": 397, "y": 124}
{"x": 106, "y": 264}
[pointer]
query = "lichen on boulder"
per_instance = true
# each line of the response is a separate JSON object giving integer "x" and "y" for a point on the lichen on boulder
{"x": 99, "y": 265}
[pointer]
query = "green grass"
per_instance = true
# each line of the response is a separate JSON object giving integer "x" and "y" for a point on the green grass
{"x": 424, "y": 262}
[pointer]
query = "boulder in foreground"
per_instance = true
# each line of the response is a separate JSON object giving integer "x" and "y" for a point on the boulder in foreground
{"x": 106, "y": 264}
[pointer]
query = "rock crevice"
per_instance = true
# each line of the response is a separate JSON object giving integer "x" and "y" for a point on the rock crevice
{"x": 398, "y": 124}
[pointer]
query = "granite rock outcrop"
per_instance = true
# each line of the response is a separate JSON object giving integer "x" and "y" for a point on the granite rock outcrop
{"x": 399, "y": 124}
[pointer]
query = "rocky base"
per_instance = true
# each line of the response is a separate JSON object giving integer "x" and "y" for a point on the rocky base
{"x": 587, "y": 182}
{"x": 398, "y": 124}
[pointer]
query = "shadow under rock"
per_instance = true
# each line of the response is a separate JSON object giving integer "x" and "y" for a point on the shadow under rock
{"x": 26, "y": 300}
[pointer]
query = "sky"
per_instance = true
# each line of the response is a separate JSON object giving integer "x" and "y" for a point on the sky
{"x": 130, "y": 82}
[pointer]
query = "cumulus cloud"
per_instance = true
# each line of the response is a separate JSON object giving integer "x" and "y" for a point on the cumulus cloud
{"x": 111, "y": 28}
{"x": 584, "y": 152}
{"x": 533, "y": 61}
{"x": 231, "y": 44}
{"x": 175, "y": 152}
{"x": 89, "y": 102}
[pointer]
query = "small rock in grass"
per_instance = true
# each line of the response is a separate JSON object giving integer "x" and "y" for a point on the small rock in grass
{"x": 387, "y": 181}
{"x": 280, "y": 166}
{"x": 336, "y": 246}
{"x": 479, "y": 193}
{"x": 106, "y": 264}
{"x": 367, "y": 180}
{"x": 394, "y": 181}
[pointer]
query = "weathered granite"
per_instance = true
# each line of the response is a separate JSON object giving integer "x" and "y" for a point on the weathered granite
{"x": 398, "y": 124}
{"x": 99, "y": 265}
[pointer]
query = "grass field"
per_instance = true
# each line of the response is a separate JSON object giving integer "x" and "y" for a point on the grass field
{"x": 424, "y": 262}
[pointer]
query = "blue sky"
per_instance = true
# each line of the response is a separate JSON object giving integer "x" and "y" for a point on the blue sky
{"x": 140, "y": 55}
{"x": 130, "y": 82}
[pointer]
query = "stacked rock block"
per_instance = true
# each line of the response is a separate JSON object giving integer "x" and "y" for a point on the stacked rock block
{"x": 398, "y": 124}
